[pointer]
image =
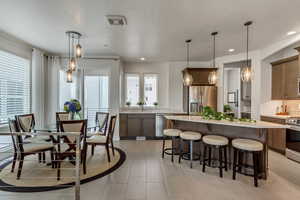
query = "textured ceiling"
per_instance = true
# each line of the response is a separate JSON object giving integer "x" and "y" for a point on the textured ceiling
{"x": 156, "y": 29}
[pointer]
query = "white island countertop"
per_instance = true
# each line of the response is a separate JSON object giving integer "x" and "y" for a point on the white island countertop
{"x": 151, "y": 111}
{"x": 199, "y": 119}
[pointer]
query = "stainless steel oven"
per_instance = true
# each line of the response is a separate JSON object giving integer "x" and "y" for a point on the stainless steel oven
{"x": 293, "y": 139}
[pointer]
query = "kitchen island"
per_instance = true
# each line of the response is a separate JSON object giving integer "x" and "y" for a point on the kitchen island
{"x": 230, "y": 129}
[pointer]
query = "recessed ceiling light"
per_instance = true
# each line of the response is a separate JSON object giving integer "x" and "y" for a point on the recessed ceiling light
{"x": 291, "y": 33}
{"x": 142, "y": 59}
{"x": 231, "y": 50}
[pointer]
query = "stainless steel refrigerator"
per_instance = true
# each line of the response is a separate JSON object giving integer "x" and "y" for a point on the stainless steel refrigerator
{"x": 201, "y": 96}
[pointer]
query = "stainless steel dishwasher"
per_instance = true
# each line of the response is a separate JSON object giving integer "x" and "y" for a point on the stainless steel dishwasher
{"x": 159, "y": 121}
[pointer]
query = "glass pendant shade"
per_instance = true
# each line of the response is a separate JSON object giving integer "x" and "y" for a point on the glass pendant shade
{"x": 212, "y": 78}
{"x": 187, "y": 78}
{"x": 69, "y": 76}
{"x": 72, "y": 64}
{"x": 246, "y": 74}
{"x": 78, "y": 51}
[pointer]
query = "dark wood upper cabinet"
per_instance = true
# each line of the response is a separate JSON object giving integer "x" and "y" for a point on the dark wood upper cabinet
{"x": 278, "y": 82}
{"x": 285, "y": 73}
{"x": 291, "y": 76}
{"x": 200, "y": 75}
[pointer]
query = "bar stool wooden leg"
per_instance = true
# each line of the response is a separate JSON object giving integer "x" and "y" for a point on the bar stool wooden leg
{"x": 203, "y": 158}
{"x": 220, "y": 162}
{"x": 172, "y": 158}
{"x": 255, "y": 168}
{"x": 225, "y": 158}
{"x": 180, "y": 151}
{"x": 209, "y": 156}
{"x": 235, "y": 154}
{"x": 191, "y": 153}
{"x": 163, "y": 148}
{"x": 240, "y": 160}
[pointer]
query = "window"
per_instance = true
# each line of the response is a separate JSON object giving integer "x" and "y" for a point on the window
{"x": 150, "y": 89}
{"x": 67, "y": 91}
{"x": 96, "y": 92}
{"x": 147, "y": 93}
{"x": 15, "y": 86}
{"x": 132, "y": 88}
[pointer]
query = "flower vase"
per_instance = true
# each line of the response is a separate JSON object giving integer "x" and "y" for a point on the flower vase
{"x": 71, "y": 115}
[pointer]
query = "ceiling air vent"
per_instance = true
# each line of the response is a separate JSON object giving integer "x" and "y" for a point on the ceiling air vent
{"x": 116, "y": 20}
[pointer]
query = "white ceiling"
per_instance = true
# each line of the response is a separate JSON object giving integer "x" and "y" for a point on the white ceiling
{"x": 156, "y": 29}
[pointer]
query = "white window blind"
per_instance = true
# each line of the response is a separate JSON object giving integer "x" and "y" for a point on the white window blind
{"x": 150, "y": 89}
{"x": 15, "y": 86}
{"x": 132, "y": 88}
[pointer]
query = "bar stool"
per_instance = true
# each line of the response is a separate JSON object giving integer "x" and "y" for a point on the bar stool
{"x": 241, "y": 147}
{"x": 173, "y": 133}
{"x": 215, "y": 142}
{"x": 191, "y": 137}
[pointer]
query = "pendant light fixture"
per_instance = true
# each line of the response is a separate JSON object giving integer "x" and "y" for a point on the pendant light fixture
{"x": 69, "y": 76}
{"x": 246, "y": 74}
{"x": 187, "y": 77}
{"x": 74, "y": 52}
{"x": 78, "y": 50}
{"x": 212, "y": 77}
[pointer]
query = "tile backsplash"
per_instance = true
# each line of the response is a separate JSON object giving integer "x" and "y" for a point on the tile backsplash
{"x": 269, "y": 108}
{"x": 293, "y": 106}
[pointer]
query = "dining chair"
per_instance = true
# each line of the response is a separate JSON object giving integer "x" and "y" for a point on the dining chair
{"x": 101, "y": 122}
{"x": 68, "y": 146}
{"x": 104, "y": 140}
{"x": 22, "y": 149}
{"x": 61, "y": 116}
{"x": 26, "y": 123}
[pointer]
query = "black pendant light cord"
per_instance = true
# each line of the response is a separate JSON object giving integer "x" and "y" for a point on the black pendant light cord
{"x": 247, "y": 24}
{"x": 188, "y": 51}
{"x": 69, "y": 47}
{"x": 214, "y": 48}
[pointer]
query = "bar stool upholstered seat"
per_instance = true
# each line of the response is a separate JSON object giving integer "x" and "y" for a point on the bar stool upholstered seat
{"x": 174, "y": 134}
{"x": 190, "y": 136}
{"x": 241, "y": 147}
{"x": 248, "y": 145}
{"x": 215, "y": 142}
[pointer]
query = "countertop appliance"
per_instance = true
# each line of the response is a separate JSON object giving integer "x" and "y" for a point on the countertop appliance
{"x": 293, "y": 139}
{"x": 201, "y": 96}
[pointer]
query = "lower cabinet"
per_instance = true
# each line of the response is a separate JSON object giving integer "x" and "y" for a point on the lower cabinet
{"x": 133, "y": 125}
{"x": 276, "y": 137}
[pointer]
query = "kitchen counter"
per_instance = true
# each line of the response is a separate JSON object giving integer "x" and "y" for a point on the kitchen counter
{"x": 199, "y": 119}
{"x": 249, "y": 130}
{"x": 150, "y": 111}
{"x": 279, "y": 116}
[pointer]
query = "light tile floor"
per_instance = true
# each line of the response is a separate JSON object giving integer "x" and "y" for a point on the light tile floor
{"x": 145, "y": 176}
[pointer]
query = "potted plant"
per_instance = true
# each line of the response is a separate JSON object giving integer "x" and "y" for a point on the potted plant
{"x": 73, "y": 107}
{"x": 155, "y": 104}
{"x": 227, "y": 108}
{"x": 141, "y": 104}
{"x": 128, "y": 103}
